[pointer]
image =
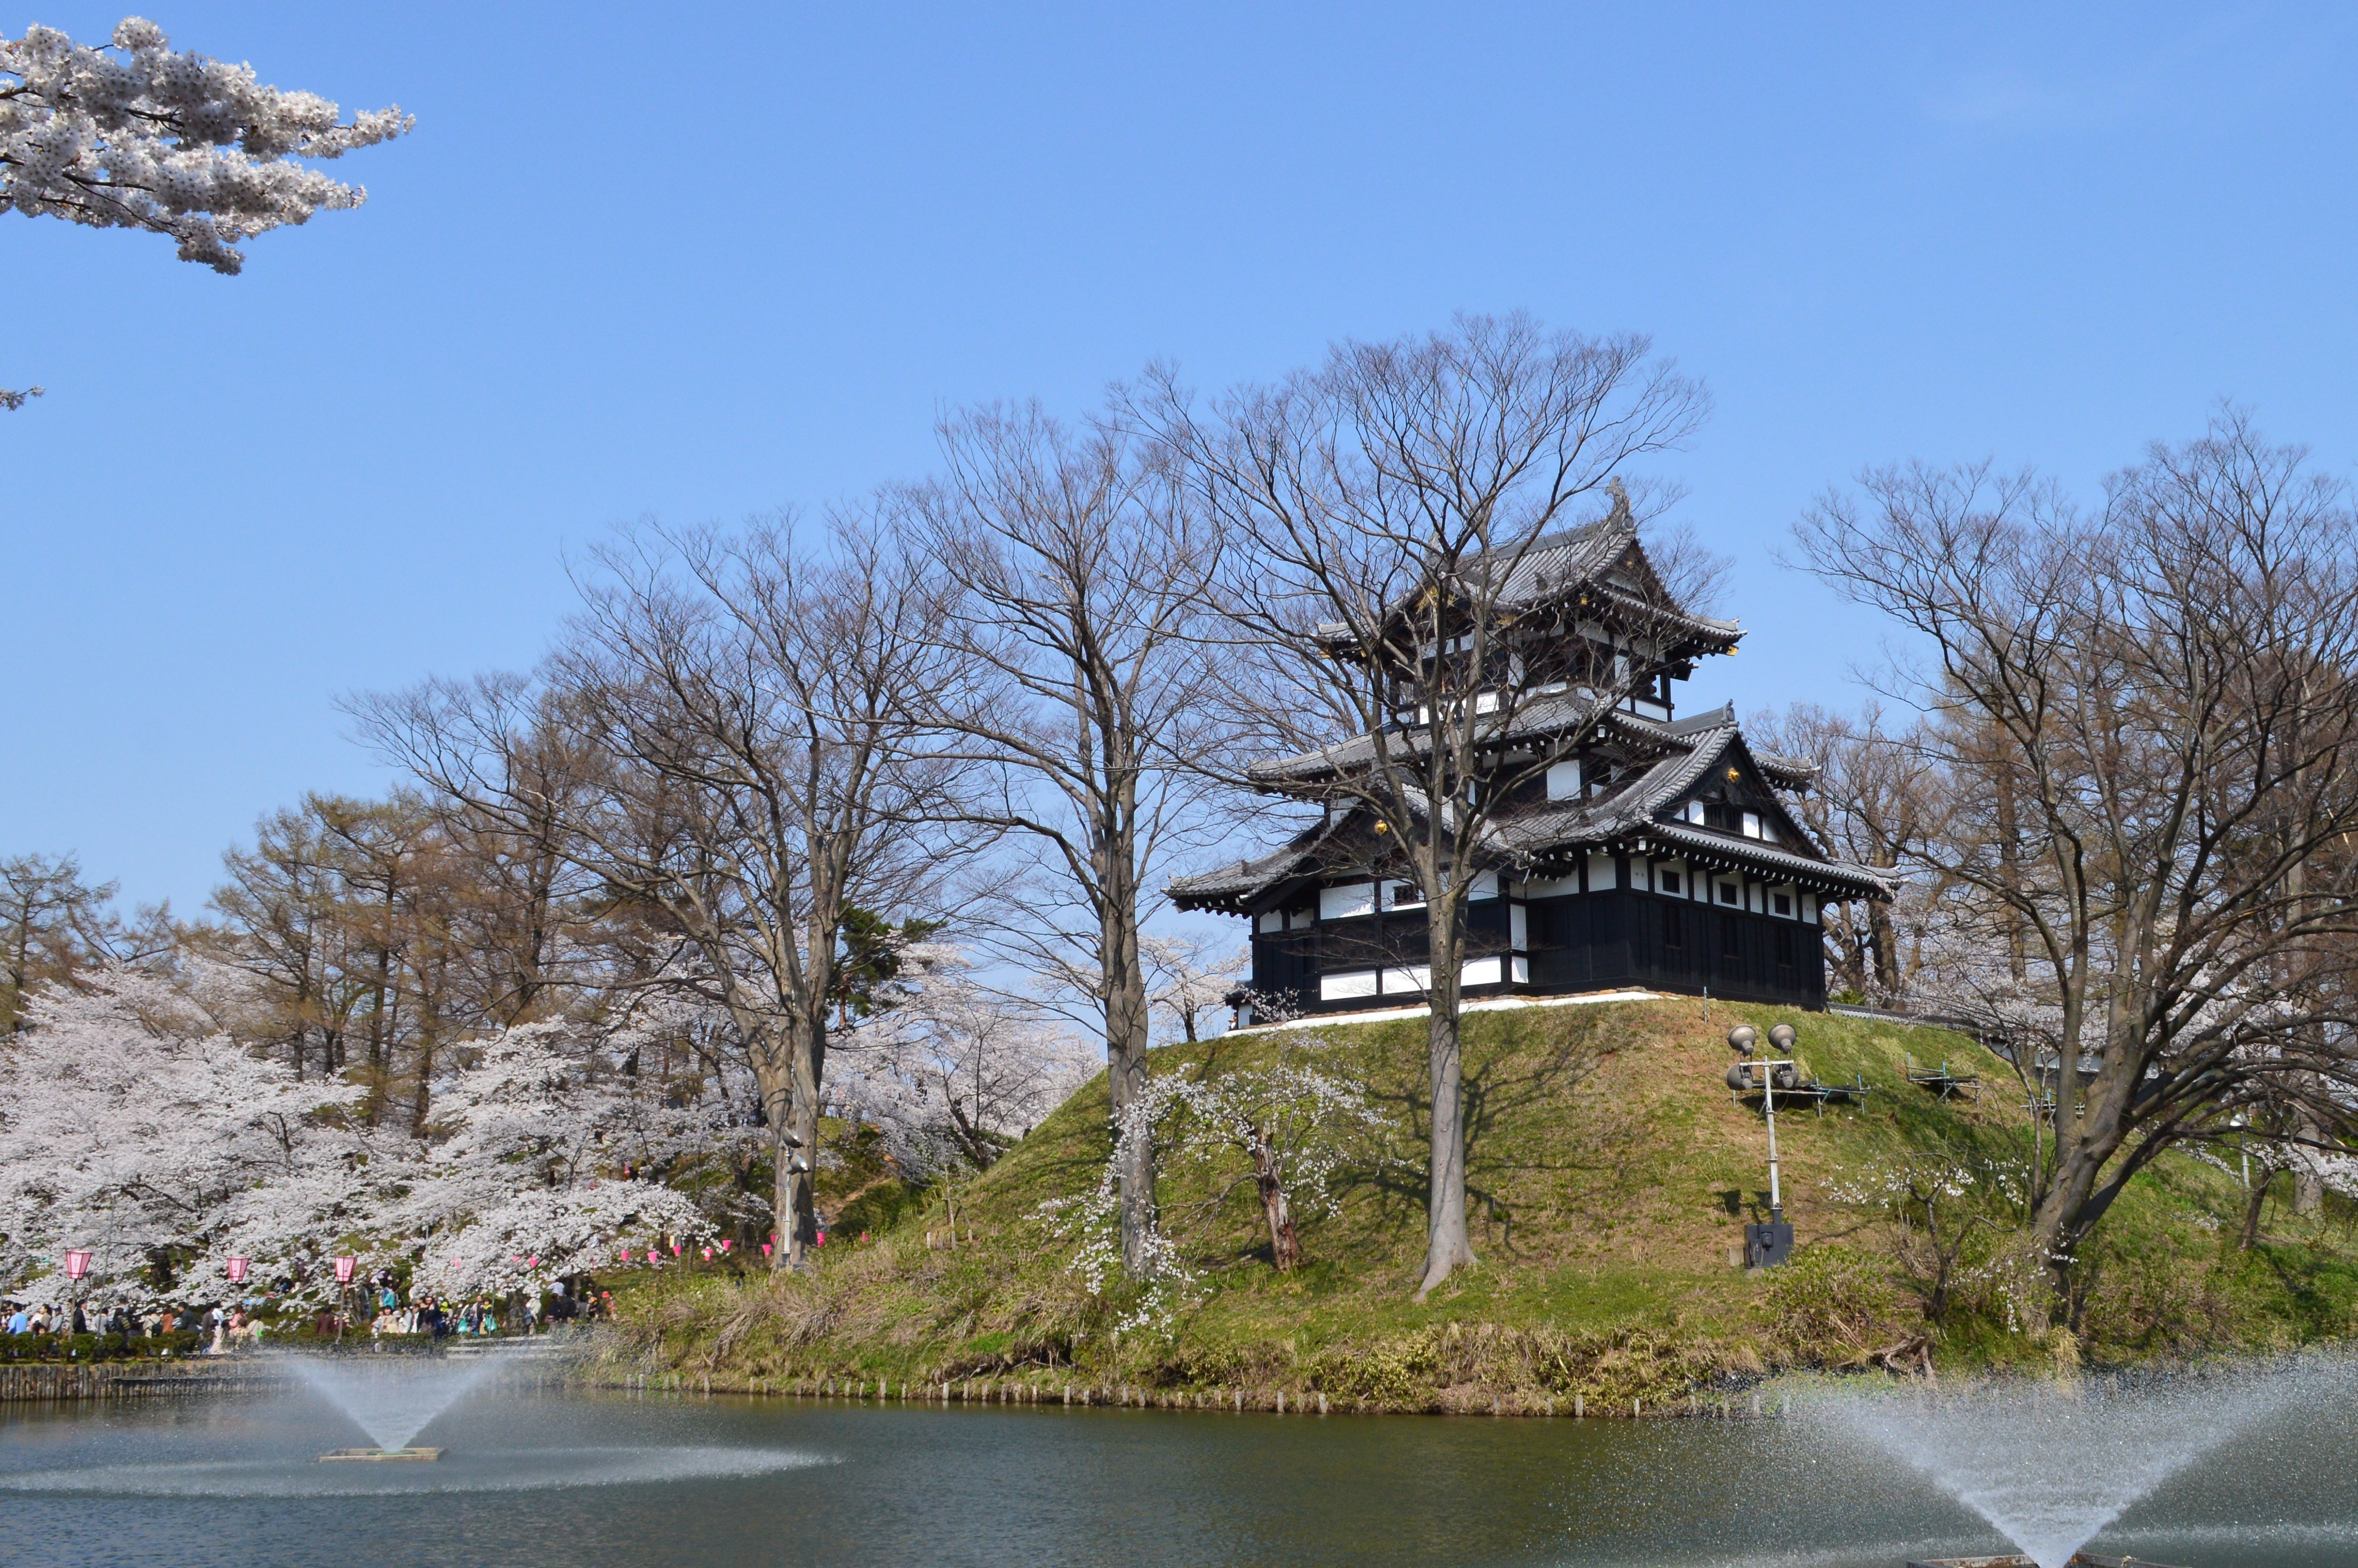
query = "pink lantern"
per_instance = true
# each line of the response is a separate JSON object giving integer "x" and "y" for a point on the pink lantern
{"x": 532, "y": 1262}
{"x": 765, "y": 1249}
{"x": 237, "y": 1267}
{"x": 707, "y": 1254}
{"x": 724, "y": 1244}
{"x": 77, "y": 1266}
{"x": 344, "y": 1270}
{"x": 653, "y": 1256}
{"x": 675, "y": 1248}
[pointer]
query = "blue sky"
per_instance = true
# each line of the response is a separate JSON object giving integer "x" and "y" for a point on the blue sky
{"x": 698, "y": 262}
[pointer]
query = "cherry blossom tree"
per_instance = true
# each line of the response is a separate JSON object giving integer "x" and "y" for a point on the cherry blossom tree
{"x": 1188, "y": 979}
{"x": 137, "y": 1121}
{"x": 950, "y": 1069}
{"x": 1285, "y": 1127}
{"x": 142, "y": 137}
{"x": 134, "y": 1125}
{"x": 520, "y": 1183}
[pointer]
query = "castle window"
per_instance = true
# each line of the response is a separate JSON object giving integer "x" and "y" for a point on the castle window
{"x": 1670, "y": 883}
{"x": 1729, "y": 893}
{"x": 1782, "y": 903}
{"x": 1752, "y": 824}
{"x": 1403, "y": 895}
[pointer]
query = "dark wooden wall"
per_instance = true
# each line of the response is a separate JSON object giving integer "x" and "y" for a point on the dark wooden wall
{"x": 1584, "y": 942}
{"x": 1601, "y": 940}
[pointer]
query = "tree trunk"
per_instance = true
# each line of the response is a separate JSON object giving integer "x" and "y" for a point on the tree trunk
{"x": 2307, "y": 1180}
{"x": 1447, "y": 1247}
{"x": 778, "y": 1107}
{"x": 795, "y": 1202}
{"x": 2083, "y": 1146}
{"x": 1883, "y": 944}
{"x": 2252, "y": 1211}
{"x": 1284, "y": 1246}
{"x": 1127, "y": 1026}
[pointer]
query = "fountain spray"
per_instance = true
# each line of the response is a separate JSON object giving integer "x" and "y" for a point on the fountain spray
{"x": 2050, "y": 1465}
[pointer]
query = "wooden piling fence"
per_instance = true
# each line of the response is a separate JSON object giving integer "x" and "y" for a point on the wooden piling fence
{"x": 47, "y": 1380}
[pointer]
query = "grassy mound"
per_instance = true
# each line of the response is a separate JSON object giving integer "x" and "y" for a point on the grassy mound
{"x": 1610, "y": 1176}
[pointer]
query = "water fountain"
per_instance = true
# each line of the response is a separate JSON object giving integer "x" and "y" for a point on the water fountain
{"x": 392, "y": 1398}
{"x": 2050, "y": 1465}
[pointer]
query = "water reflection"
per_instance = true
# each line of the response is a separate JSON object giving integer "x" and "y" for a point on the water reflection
{"x": 849, "y": 1487}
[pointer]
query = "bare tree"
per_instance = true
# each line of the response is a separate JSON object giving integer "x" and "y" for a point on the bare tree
{"x": 280, "y": 910}
{"x": 52, "y": 925}
{"x": 755, "y": 707}
{"x": 2157, "y": 700}
{"x": 1873, "y": 804}
{"x": 1079, "y": 567}
{"x": 1383, "y": 511}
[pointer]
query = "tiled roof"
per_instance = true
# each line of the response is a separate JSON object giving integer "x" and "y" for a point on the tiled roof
{"x": 1702, "y": 842}
{"x": 1786, "y": 772}
{"x": 1575, "y": 559}
{"x": 1630, "y": 810}
{"x": 1537, "y": 716}
{"x": 1209, "y": 889}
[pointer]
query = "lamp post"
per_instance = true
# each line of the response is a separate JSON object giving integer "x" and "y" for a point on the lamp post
{"x": 343, "y": 1289}
{"x": 1765, "y": 1245}
{"x": 76, "y": 1271}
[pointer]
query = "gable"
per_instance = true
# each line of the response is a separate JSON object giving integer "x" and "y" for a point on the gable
{"x": 1730, "y": 790}
{"x": 1632, "y": 571}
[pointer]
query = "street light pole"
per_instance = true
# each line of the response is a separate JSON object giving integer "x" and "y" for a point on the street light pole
{"x": 1765, "y": 1245}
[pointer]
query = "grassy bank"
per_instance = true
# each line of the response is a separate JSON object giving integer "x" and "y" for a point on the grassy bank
{"x": 1611, "y": 1176}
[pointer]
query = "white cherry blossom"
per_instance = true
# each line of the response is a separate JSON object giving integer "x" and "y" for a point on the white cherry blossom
{"x": 141, "y": 136}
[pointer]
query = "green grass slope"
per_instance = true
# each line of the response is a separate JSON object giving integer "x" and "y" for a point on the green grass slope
{"x": 1610, "y": 1177}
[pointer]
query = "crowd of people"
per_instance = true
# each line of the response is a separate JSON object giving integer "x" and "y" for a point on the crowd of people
{"x": 527, "y": 1311}
{"x": 224, "y": 1328}
{"x": 219, "y": 1329}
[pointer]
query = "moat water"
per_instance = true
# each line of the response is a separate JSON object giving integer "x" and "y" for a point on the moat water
{"x": 610, "y": 1479}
